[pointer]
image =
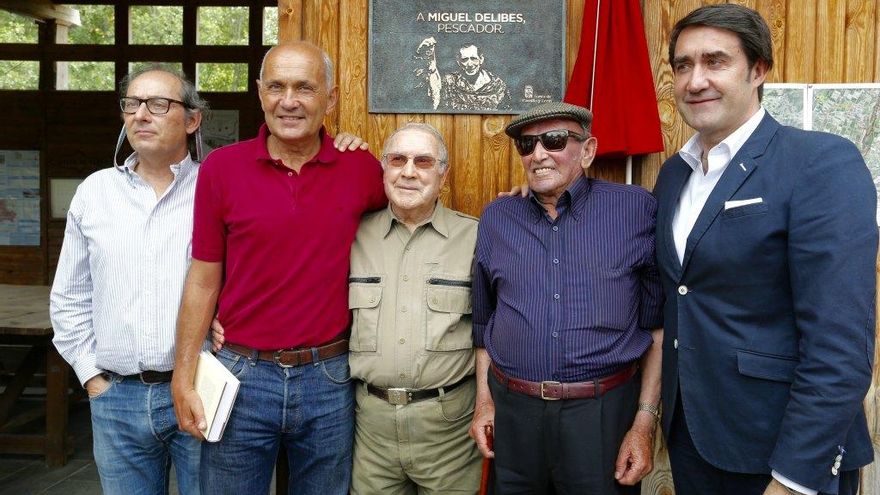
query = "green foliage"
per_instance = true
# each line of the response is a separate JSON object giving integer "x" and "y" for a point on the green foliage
{"x": 148, "y": 25}
{"x": 270, "y": 26}
{"x": 97, "y": 26}
{"x": 90, "y": 76}
{"x": 19, "y": 74}
{"x": 221, "y": 77}
{"x": 155, "y": 25}
{"x": 222, "y": 26}
{"x": 15, "y": 28}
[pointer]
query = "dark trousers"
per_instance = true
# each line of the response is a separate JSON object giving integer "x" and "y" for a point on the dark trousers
{"x": 561, "y": 447}
{"x": 692, "y": 475}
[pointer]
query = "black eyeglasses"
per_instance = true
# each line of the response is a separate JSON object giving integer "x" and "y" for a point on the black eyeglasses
{"x": 398, "y": 160}
{"x": 156, "y": 106}
{"x": 554, "y": 140}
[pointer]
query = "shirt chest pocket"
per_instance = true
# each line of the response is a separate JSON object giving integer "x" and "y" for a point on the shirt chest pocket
{"x": 364, "y": 298}
{"x": 448, "y": 317}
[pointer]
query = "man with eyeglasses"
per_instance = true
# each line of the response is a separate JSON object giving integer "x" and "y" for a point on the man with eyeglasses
{"x": 118, "y": 285}
{"x": 566, "y": 319}
{"x": 411, "y": 347}
{"x": 275, "y": 218}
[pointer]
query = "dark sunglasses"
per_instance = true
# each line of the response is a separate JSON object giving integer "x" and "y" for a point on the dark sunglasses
{"x": 555, "y": 140}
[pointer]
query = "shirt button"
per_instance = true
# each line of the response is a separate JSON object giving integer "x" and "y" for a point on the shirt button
{"x": 434, "y": 300}
{"x": 675, "y": 343}
{"x": 372, "y": 299}
{"x": 555, "y": 334}
{"x": 555, "y": 261}
{"x": 555, "y": 228}
{"x": 682, "y": 289}
{"x": 290, "y": 174}
{"x": 556, "y": 296}
{"x": 405, "y": 278}
{"x": 403, "y": 309}
{"x": 402, "y": 375}
{"x": 402, "y": 341}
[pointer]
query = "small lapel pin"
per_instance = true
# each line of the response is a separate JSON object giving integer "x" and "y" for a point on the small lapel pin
{"x": 743, "y": 167}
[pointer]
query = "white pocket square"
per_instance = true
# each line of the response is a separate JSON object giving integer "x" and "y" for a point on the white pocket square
{"x": 741, "y": 202}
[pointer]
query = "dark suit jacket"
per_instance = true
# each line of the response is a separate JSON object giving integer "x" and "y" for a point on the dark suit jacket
{"x": 769, "y": 321}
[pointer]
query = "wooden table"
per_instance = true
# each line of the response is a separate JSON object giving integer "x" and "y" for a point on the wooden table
{"x": 24, "y": 321}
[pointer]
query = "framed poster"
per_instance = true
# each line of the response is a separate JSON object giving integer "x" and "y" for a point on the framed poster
{"x": 61, "y": 193}
{"x": 465, "y": 56}
{"x": 19, "y": 198}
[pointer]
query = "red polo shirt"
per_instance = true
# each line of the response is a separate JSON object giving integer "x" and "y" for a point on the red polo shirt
{"x": 284, "y": 238}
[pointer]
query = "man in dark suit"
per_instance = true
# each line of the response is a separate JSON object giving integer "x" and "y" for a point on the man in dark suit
{"x": 766, "y": 242}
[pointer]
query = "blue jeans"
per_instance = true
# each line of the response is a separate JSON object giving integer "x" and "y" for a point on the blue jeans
{"x": 308, "y": 410}
{"x": 136, "y": 439}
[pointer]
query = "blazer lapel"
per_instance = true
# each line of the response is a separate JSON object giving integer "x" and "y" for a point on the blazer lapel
{"x": 680, "y": 172}
{"x": 738, "y": 170}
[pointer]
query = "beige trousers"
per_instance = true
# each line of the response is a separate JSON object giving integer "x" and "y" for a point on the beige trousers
{"x": 420, "y": 448}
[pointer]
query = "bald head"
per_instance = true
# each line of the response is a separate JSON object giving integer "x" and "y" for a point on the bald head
{"x": 303, "y": 48}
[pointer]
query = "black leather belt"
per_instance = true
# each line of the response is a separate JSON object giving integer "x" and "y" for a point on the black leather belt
{"x": 151, "y": 377}
{"x": 403, "y": 396}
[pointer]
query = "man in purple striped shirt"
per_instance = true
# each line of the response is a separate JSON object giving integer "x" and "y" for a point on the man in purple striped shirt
{"x": 566, "y": 316}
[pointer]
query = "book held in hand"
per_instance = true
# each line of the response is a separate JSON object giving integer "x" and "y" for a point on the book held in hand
{"x": 217, "y": 388}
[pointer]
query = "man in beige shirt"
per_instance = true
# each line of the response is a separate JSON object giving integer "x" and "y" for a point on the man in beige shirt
{"x": 411, "y": 345}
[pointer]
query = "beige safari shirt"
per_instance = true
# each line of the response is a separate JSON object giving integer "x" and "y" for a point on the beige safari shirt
{"x": 410, "y": 299}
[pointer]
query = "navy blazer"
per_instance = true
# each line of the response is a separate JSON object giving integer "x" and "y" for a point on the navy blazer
{"x": 769, "y": 321}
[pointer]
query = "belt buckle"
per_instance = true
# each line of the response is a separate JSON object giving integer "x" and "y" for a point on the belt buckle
{"x": 545, "y": 384}
{"x": 398, "y": 396}
{"x": 277, "y": 358}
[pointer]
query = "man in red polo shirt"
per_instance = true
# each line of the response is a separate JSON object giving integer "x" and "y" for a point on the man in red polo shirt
{"x": 274, "y": 221}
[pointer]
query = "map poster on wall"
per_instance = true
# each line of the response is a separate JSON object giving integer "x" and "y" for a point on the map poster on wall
{"x": 465, "y": 56}
{"x": 19, "y": 198}
{"x": 848, "y": 110}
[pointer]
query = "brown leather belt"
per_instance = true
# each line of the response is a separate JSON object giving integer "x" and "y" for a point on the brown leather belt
{"x": 150, "y": 377}
{"x": 551, "y": 390}
{"x": 403, "y": 396}
{"x": 288, "y": 358}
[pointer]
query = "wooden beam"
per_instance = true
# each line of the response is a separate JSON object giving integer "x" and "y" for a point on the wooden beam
{"x": 43, "y": 10}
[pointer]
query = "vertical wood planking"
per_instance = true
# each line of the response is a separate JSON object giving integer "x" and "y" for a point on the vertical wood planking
{"x": 289, "y": 20}
{"x": 830, "y": 41}
{"x": 495, "y": 158}
{"x": 860, "y": 33}
{"x": 800, "y": 41}
{"x": 466, "y": 175}
{"x": 321, "y": 27}
{"x": 352, "y": 69}
{"x": 773, "y": 12}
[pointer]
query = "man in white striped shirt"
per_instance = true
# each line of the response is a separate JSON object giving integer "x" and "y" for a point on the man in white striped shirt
{"x": 118, "y": 286}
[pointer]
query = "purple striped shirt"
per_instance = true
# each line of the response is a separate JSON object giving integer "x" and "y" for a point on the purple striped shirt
{"x": 571, "y": 299}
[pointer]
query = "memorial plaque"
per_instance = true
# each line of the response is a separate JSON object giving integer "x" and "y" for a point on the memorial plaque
{"x": 465, "y": 56}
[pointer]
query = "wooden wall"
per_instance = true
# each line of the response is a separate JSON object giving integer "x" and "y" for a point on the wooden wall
{"x": 820, "y": 41}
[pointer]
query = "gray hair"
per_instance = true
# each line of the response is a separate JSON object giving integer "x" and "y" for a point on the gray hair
{"x": 192, "y": 102}
{"x": 328, "y": 64}
{"x": 443, "y": 159}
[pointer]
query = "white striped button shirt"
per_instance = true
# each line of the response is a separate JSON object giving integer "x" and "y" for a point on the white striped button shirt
{"x": 120, "y": 277}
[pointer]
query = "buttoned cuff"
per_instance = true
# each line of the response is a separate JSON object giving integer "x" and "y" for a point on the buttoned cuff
{"x": 86, "y": 369}
{"x": 793, "y": 485}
